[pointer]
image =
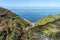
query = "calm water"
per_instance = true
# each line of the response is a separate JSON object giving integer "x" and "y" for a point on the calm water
{"x": 34, "y": 14}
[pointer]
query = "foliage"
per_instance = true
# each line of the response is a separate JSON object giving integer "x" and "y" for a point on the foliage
{"x": 12, "y": 27}
{"x": 47, "y": 26}
{"x": 48, "y": 19}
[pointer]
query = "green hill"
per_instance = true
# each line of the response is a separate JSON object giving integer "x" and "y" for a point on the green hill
{"x": 48, "y": 19}
{"x": 48, "y": 26}
{"x": 12, "y": 27}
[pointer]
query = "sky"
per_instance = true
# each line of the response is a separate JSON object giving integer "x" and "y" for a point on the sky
{"x": 30, "y": 3}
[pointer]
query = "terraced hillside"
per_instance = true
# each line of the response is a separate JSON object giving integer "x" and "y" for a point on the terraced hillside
{"x": 12, "y": 27}
{"x": 47, "y": 28}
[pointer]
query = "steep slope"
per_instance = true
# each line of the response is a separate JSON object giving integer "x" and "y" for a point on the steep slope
{"x": 12, "y": 27}
{"x": 47, "y": 28}
{"x": 48, "y": 19}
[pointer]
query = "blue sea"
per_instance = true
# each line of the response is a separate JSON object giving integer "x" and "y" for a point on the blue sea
{"x": 35, "y": 14}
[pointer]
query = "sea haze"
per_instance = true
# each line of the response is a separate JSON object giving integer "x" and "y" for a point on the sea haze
{"x": 34, "y": 14}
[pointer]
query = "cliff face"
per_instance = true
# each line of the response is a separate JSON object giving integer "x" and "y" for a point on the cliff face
{"x": 48, "y": 26}
{"x": 11, "y": 26}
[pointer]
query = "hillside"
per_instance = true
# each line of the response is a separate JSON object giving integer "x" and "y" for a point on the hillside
{"x": 48, "y": 19}
{"x": 47, "y": 27}
{"x": 12, "y": 27}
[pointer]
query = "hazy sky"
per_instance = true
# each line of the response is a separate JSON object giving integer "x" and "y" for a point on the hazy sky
{"x": 29, "y": 3}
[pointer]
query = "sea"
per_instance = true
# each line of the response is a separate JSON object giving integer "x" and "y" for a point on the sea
{"x": 35, "y": 14}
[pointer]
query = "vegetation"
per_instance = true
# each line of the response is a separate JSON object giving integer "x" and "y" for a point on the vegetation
{"x": 48, "y": 26}
{"x": 12, "y": 27}
{"x": 48, "y": 19}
